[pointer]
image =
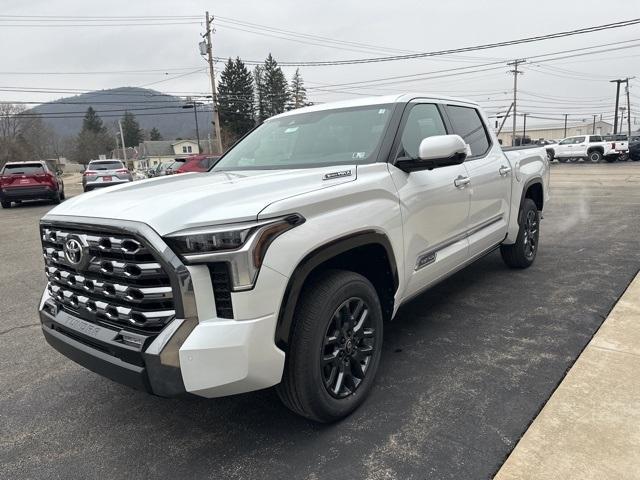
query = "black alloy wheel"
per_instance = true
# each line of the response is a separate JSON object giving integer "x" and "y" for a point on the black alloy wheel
{"x": 348, "y": 347}
{"x": 531, "y": 233}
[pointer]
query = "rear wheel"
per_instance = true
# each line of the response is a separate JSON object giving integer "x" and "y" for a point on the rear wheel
{"x": 62, "y": 197}
{"x": 56, "y": 198}
{"x": 594, "y": 156}
{"x": 522, "y": 253}
{"x": 6, "y": 204}
{"x": 335, "y": 347}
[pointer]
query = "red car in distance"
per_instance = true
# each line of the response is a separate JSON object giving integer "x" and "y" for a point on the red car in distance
{"x": 198, "y": 163}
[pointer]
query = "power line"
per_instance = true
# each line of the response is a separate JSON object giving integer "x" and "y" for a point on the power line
{"x": 562, "y": 34}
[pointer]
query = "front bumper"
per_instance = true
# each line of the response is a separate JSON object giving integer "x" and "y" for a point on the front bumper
{"x": 103, "y": 351}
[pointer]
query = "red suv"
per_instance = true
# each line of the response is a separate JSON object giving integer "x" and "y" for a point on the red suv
{"x": 198, "y": 163}
{"x": 30, "y": 181}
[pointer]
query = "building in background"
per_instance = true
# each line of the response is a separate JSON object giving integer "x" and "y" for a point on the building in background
{"x": 154, "y": 152}
{"x": 557, "y": 131}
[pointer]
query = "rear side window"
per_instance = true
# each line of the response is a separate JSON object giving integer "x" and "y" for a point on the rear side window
{"x": 578, "y": 140}
{"x": 466, "y": 122}
{"x": 595, "y": 138}
{"x": 105, "y": 165}
{"x": 423, "y": 121}
{"x": 23, "y": 169}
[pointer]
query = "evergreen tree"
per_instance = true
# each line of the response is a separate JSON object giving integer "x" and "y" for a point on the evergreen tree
{"x": 131, "y": 130}
{"x": 260, "y": 94}
{"x": 297, "y": 91}
{"x": 236, "y": 97}
{"x": 92, "y": 122}
{"x": 93, "y": 140}
{"x": 155, "y": 134}
{"x": 275, "y": 94}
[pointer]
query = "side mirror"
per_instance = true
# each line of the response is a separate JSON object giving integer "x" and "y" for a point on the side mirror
{"x": 435, "y": 152}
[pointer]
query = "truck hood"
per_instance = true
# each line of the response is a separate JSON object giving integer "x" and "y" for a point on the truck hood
{"x": 177, "y": 202}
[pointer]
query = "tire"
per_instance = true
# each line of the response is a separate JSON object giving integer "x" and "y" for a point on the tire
{"x": 86, "y": 189}
{"x": 624, "y": 157}
{"x": 6, "y": 204}
{"x": 523, "y": 253}
{"x": 56, "y": 198}
{"x": 321, "y": 380}
{"x": 62, "y": 196}
{"x": 594, "y": 156}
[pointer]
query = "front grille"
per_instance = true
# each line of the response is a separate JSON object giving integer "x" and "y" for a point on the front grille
{"x": 122, "y": 284}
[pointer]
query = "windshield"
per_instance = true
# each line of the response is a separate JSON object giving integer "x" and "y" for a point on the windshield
{"x": 23, "y": 169}
{"x": 314, "y": 139}
{"x": 105, "y": 166}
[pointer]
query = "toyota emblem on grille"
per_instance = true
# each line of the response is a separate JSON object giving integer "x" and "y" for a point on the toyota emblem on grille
{"x": 73, "y": 251}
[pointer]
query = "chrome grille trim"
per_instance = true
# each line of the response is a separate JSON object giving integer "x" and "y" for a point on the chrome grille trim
{"x": 123, "y": 284}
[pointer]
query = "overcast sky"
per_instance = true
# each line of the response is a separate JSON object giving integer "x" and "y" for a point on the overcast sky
{"x": 581, "y": 87}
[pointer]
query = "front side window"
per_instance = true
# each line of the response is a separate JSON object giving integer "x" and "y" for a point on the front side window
{"x": 467, "y": 123}
{"x": 568, "y": 141}
{"x": 423, "y": 121}
{"x": 312, "y": 139}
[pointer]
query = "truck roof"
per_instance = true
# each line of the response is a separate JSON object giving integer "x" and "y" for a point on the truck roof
{"x": 375, "y": 100}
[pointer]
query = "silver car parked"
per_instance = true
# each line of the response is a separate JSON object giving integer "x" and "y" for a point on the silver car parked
{"x": 104, "y": 173}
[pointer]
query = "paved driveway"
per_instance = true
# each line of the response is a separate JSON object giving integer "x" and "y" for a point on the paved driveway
{"x": 465, "y": 369}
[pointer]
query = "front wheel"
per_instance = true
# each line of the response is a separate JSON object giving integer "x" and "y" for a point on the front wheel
{"x": 6, "y": 204}
{"x": 522, "y": 253}
{"x": 594, "y": 156}
{"x": 335, "y": 347}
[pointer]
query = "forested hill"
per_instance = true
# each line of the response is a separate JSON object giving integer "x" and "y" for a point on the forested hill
{"x": 151, "y": 108}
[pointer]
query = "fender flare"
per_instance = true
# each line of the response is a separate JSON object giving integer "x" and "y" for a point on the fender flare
{"x": 525, "y": 189}
{"x": 313, "y": 259}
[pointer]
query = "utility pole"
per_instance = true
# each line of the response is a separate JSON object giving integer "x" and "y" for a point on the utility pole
{"x": 212, "y": 74}
{"x": 615, "y": 116}
{"x": 622, "y": 109}
{"x": 515, "y": 72}
{"x": 124, "y": 148}
{"x": 565, "y": 125}
{"x": 594, "y": 125}
{"x": 524, "y": 129}
{"x": 629, "y": 110}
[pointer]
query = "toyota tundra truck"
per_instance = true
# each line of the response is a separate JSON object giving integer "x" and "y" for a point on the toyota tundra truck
{"x": 281, "y": 265}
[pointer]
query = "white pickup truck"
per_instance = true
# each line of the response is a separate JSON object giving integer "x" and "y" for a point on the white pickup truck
{"x": 281, "y": 265}
{"x": 617, "y": 147}
{"x": 590, "y": 148}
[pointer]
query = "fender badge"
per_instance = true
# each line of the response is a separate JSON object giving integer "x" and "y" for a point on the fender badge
{"x": 332, "y": 175}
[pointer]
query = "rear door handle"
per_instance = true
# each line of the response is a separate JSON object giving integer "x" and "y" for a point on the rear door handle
{"x": 504, "y": 170}
{"x": 461, "y": 181}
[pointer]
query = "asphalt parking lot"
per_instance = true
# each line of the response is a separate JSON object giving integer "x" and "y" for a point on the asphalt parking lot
{"x": 465, "y": 369}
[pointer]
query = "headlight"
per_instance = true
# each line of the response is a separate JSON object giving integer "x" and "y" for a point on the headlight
{"x": 243, "y": 246}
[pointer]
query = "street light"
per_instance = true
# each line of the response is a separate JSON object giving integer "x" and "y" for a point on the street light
{"x": 194, "y": 104}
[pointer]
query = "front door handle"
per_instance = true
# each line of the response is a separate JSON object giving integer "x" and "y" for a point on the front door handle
{"x": 461, "y": 181}
{"x": 504, "y": 170}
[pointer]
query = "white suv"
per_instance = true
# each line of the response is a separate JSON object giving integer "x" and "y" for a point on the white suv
{"x": 282, "y": 264}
